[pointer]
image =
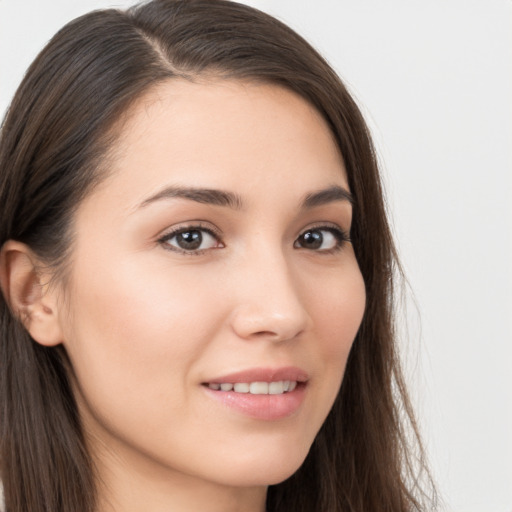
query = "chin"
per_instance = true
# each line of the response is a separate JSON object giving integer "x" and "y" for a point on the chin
{"x": 264, "y": 469}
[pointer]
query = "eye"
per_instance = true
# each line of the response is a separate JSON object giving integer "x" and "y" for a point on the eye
{"x": 322, "y": 239}
{"x": 193, "y": 239}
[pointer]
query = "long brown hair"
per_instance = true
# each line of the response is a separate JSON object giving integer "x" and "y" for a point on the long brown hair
{"x": 54, "y": 143}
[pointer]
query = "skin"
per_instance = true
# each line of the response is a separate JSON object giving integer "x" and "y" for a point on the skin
{"x": 146, "y": 324}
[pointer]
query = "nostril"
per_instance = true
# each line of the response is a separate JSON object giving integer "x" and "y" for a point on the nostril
{"x": 265, "y": 333}
{"x": 276, "y": 335}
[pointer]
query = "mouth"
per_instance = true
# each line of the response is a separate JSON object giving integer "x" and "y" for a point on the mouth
{"x": 279, "y": 387}
{"x": 263, "y": 394}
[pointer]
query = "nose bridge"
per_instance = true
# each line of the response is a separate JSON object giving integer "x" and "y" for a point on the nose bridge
{"x": 268, "y": 302}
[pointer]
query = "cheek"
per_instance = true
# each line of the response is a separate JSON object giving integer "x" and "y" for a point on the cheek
{"x": 135, "y": 331}
{"x": 338, "y": 310}
{"x": 142, "y": 305}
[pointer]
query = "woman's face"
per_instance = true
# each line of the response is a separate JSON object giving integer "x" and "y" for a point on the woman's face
{"x": 214, "y": 260}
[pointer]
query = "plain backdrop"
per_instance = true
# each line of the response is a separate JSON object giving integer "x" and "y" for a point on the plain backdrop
{"x": 434, "y": 80}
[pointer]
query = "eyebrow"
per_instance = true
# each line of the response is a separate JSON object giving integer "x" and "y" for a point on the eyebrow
{"x": 325, "y": 196}
{"x": 217, "y": 197}
{"x": 199, "y": 195}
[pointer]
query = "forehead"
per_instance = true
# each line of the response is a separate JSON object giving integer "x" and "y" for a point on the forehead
{"x": 224, "y": 134}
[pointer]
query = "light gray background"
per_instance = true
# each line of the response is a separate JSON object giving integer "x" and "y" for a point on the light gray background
{"x": 434, "y": 79}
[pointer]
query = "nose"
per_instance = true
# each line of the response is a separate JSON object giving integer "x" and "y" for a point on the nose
{"x": 268, "y": 305}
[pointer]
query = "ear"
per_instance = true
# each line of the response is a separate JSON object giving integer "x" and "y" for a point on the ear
{"x": 28, "y": 294}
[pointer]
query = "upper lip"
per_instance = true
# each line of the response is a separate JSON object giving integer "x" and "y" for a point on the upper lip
{"x": 291, "y": 373}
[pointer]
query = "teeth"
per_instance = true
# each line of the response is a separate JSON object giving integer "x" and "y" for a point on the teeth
{"x": 257, "y": 388}
{"x": 276, "y": 388}
{"x": 241, "y": 387}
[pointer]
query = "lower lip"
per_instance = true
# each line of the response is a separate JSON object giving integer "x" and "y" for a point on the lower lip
{"x": 262, "y": 407}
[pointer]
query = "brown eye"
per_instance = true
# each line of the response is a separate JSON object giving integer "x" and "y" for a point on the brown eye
{"x": 191, "y": 240}
{"x": 320, "y": 239}
{"x": 311, "y": 239}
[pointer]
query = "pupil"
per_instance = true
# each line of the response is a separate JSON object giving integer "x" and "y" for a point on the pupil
{"x": 312, "y": 239}
{"x": 189, "y": 240}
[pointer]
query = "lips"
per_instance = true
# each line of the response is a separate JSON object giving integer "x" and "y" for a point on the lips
{"x": 261, "y": 393}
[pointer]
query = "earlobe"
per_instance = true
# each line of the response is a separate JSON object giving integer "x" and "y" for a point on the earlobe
{"x": 28, "y": 294}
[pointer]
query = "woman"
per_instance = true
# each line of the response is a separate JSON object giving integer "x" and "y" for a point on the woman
{"x": 196, "y": 275}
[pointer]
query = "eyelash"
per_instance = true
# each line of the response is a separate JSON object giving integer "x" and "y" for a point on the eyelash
{"x": 163, "y": 240}
{"x": 341, "y": 236}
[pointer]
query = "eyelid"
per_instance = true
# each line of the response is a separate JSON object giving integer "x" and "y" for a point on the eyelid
{"x": 341, "y": 234}
{"x": 189, "y": 226}
{"x": 329, "y": 226}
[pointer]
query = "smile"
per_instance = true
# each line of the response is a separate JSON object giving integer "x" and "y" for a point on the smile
{"x": 256, "y": 388}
